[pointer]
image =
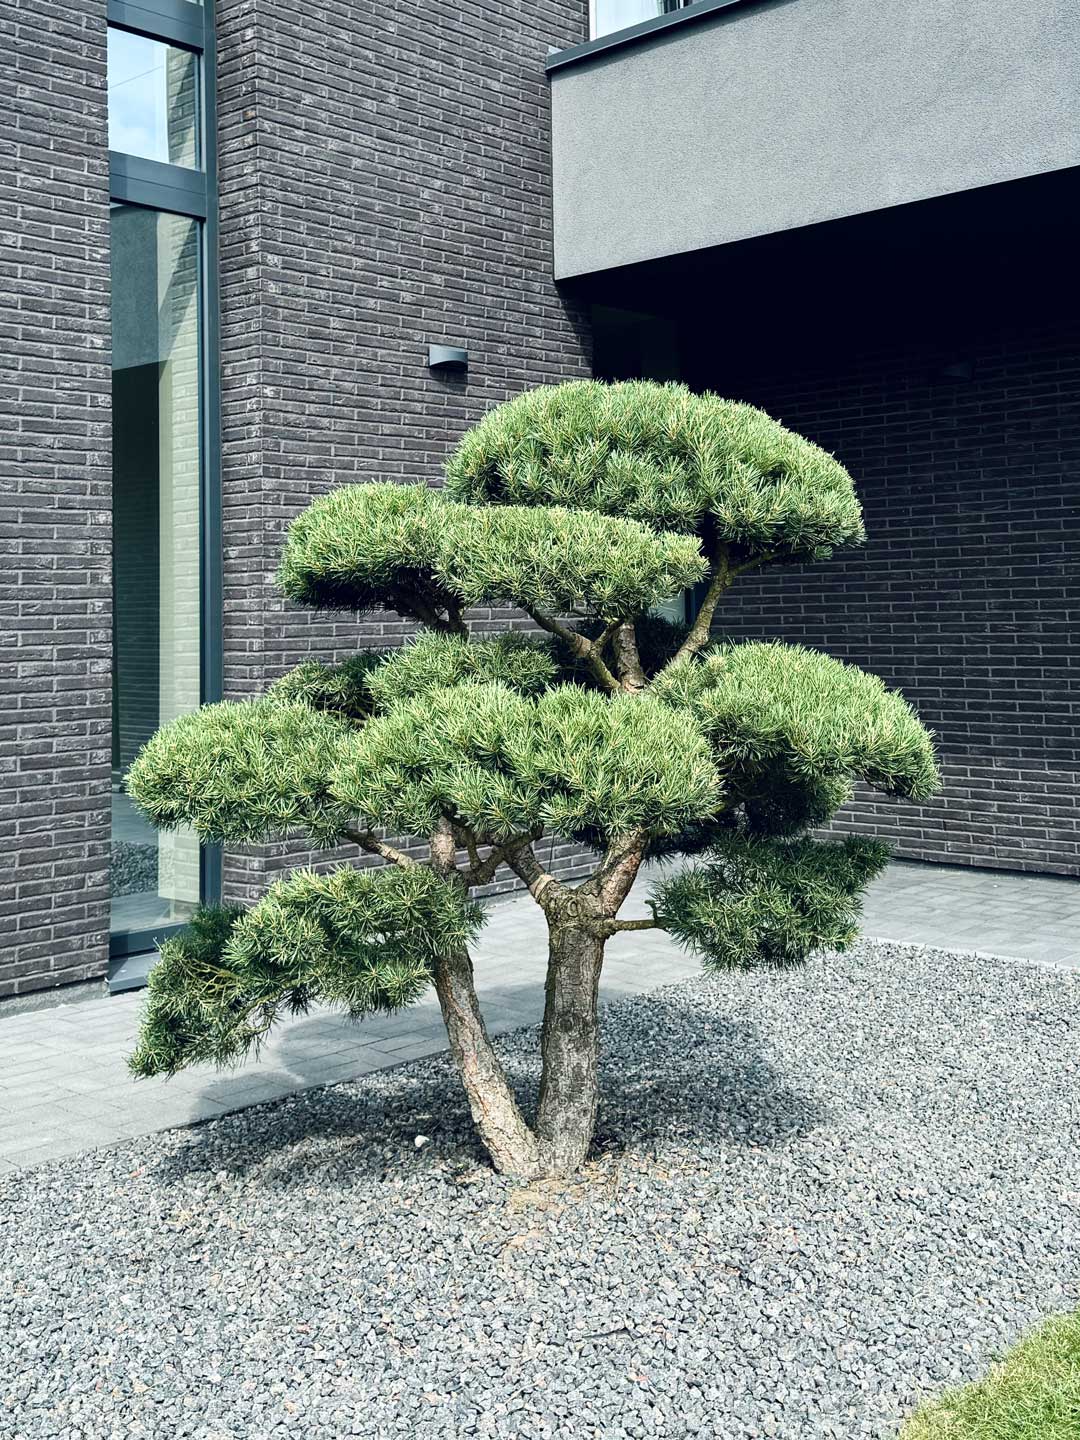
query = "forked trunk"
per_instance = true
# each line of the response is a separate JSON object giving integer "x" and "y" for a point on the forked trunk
{"x": 569, "y": 1046}
{"x": 570, "y": 1050}
{"x": 512, "y": 1145}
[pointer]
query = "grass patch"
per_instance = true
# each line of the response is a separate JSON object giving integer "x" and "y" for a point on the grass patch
{"x": 1033, "y": 1394}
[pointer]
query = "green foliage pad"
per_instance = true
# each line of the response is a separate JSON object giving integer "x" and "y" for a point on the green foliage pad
{"x": 769, "y": 903}
{"x": 363, "y": 940}
{"x": 243, "y": 772}
{"x": 573, "y": 761}
{"x": 785, "y": 714}
{"x": 663, "y": 455}
{"x": 411, "y": 549}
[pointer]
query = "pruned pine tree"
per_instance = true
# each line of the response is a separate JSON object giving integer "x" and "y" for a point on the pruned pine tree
{"x": 583, "y": 506}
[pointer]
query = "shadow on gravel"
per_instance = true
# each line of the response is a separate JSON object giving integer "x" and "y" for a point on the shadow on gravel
{"x": 694, "y": 1077}
{"x": 669, "y": 1071}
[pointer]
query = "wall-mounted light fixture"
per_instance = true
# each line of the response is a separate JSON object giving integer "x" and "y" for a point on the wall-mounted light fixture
{"x": 956, "y": 370}
{"x": 447, "y": 359}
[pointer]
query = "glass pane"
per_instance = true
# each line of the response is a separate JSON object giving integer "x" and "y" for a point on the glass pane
{"x": 612, "y": 15}
{"x": 156, "y": 487}
{"x": 153, "y": 99}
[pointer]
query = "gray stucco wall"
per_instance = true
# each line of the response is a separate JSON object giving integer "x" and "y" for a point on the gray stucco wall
{"x": 797, "y": 111}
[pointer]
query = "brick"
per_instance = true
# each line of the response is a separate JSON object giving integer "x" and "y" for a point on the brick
{"x": 55, "y": 484}
{"x": 393, "y": 203}
{"x": 940, "y": 601}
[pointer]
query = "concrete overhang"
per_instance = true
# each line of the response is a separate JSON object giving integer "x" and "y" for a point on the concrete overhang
{"x": 739, "y": 118}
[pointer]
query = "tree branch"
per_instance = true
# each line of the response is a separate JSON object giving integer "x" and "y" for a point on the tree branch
{"x": 444, "y": 849}
{"x": 591, "y": 651}
{"x": 369, "y": 841}
{"x": 464, "y": 836}
{"x": 482, "y": 869}
{"x": 425, "y": 609}
{"x": 542, "y": 886}
{"x": 725, "y": 575}
{"x": 612, "y": 881}
{"x": 455, "y": 619}
{"x": 702, "y": 626}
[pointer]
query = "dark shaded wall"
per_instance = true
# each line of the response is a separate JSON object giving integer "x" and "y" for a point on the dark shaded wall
{"x": 136, "y": 573}
{"x": 966, "y": 594}
{"x": 384, "y": 184}
{"x": 54, "y": 495}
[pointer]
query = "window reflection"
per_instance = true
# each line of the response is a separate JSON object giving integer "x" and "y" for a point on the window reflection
{"x": 612, "y": 15}
{"x": 153, "y": 99}
{"x": 156, "y": 475}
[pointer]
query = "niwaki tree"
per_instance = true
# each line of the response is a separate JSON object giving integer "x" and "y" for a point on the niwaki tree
{"x": 583, "y": 506}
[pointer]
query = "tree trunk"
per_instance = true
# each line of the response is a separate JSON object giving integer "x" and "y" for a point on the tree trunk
{"x": 569, "y": 1045}
{"x": 512, "y": 1145}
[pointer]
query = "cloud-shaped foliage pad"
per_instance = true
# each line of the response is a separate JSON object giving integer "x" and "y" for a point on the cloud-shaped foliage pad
{"x": 786, "y": 712}
{"x": 243, "y": 772}
{"x": 362, "y": 940}
{"x": 573, "y": 761}
{"x": 665, "y": 456}
{"x": 406, "y": 547}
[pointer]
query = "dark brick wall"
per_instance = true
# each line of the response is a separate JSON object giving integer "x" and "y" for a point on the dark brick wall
{"x": 384, "y": 184}
{"x": 54, "y": 484}
{"x": 966, "y": 595}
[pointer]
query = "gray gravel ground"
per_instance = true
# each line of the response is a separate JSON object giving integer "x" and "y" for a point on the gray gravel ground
{"x": 817, "y": 1198}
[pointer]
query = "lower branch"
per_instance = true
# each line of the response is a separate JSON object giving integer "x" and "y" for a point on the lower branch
{"x": 369, "y": 841}
{"x": 702, "y": 626}
{"x": 482, "y": 869}
{"x": 591, "y": 651}
{"x": 544, "y": 888}
{"x": 725, "y": 576}
{"x": 627, "y": 659}
{"x": 611, "y": 883}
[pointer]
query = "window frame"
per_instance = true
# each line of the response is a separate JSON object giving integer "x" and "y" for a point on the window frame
{"x": 594, "y": 4}
{"x": 155, "y": 185}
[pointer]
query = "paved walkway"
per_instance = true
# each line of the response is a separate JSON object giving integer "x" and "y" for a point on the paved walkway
{"x": 64, "y": 1087}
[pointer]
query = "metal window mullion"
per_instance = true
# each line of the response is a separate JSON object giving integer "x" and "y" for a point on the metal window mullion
{"x": 211, "y": 608}
{"x": 179, "y": 21}
{"x": 137, "y": 181}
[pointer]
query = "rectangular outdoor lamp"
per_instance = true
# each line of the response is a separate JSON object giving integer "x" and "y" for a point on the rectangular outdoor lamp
{"x": 447, "y": 357}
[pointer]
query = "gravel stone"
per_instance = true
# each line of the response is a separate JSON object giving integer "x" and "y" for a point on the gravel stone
{"x": 817, "y": 1198}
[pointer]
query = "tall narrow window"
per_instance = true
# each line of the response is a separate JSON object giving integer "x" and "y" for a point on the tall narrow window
{"x": 156, "y": 509}
{"x": 165, "y": 587}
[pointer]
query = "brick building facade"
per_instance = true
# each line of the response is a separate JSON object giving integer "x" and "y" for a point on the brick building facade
{"x": 55, "y": 478}
{"x": 386, "y": 187}
{"x": 965, "y": 595}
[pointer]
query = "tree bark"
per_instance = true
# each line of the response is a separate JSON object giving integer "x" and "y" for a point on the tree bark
{"x": 628, "y": 660}
{"x": 512, "y": 1145}
{"x": 570, "y": 1050}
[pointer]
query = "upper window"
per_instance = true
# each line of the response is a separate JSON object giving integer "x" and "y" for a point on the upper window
{"x": 153, "y": 99}
{"x": 611, "y": 15}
